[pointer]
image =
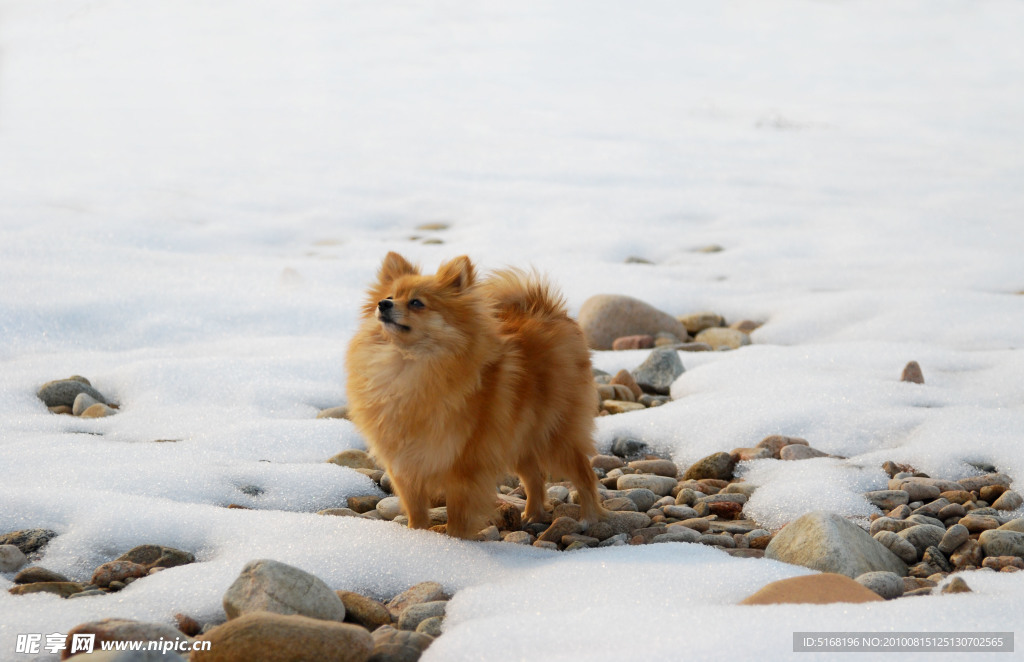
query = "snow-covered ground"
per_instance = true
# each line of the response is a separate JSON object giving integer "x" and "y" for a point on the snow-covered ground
{"x": 194, "y": 195}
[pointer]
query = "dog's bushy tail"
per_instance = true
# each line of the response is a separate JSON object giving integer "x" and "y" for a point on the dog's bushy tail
{"x": 519, "y": 293}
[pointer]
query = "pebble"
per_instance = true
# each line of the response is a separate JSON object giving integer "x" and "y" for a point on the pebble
{"x": 657, "y": 373}
{"x": 934, "y": 556}
{"x": 680, "y": 512}
{"x": 268, "y": 585}
{"x": 723, "y": 338}
{"x": 82, "y": 402}
{"x": 698, "y": 524}
{"x": 605, "y": 317}
{"x": 658, "y": 467}
{"x": 415, "y": 614}
{"x": 606, "y": 462}
{"x": 1008, "y": 500}
{"x": 1013, "y": 525}
{"x": 157, "y": 556}
{"x": 1002, "y": 543}
{"x": 717, "y": 540}
{"x": 1000, "y": 562}
{"x": 518, "y": 538}
{"x": 969, "y": 553}
{"x": 677, "y": 534}
{"x": 923, "y": 536}
{"x": 717, "y": 465}
{"x": 98, "y": 410}
{"x": 887, "y": 499}
{"x": 975, "y": 483}
{"x": 629, "y": 448}
{"x": 956, "y": 585}
{"x": 977, "y": 523}
{"x": 823, "y": 588}
{"x": 616, "y": 392}
{"x": 416, "y": 594}
{"x": 955, "y": 536}
{"x": 272, "y": 637}
{"x": 117, "y": 571}
{"x": 340, "y": 411}
{"x": 431, "y": 626}
{"x": 11, "y": 558}
{"x": 800, "y": 452}
{"x": 392, "y": 645}
{"x": 642, "y": 497}
{"x": 660, "y": 485}
{"x": 642, "y": 341}
{"x": 697, "y": 322}
{"x": 63, "y": 589}
{"x": 389, "y": 508}
{"x": 120, "y": 629}
{"x": 912, "y": 373}
{"x": 776, "y": 442}
{"x": 35, "y": 573}
{"x": 887, "y": 585}
{"x": 621, "y": 406}
{"x": 63, "y": 392}
{"x": 916, "y": 490}
{"x": 627, "y": 522}
{"x": 560, "y": 527}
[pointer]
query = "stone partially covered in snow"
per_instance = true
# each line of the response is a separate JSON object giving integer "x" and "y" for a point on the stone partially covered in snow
{"x": 121, "y": 629}
{"x": 605, "y": 317}
{"x": 11, "y": 558}
{"x": 830, "y": 543}
{"x": 62, "y": 392}
{"x": 658, "y": 371}
{"x": 886, "y": 584}
{"x": 825, "y": 588}
{"x": 268, "y": 585}
{"x": 717, "y": 465}
{"x": 272, "y": 637}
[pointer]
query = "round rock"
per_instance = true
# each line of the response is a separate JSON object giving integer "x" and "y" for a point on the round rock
{"x": 272, "y": 637}
{"x": 268, "y": 585}
{"x": 888, "y": 585}
{"x": 605, "y": 317}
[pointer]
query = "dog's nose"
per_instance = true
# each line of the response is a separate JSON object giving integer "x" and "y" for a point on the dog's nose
{"x": 384, "y": 305}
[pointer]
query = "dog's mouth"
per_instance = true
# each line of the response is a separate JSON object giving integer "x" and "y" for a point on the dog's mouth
{"x": 392, "y": 324}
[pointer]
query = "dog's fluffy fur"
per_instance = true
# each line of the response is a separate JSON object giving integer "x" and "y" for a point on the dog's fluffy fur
{"x": 455, "y": 382}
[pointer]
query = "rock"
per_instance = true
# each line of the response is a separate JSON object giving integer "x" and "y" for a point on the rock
{"x": 117, "y": 571}
{"x": 630, "y": 449}
{"x": 64, "y": 391}
{"x": 657, "y": 373}
{"x": 955, "y": 536}
{"x": 716, "y": 465}
{"x": 723, "y": 338}
{"x": 11, "y": 558}
{"x": 143, "y": 655}
{"x": 697, "y": 322}
{"x": 518, "y": 538}
{"x": 415, "y": 614}
{"x": 35, "y": 573}
{"x": 660, "y": 485}
{"x": 621, "y": 406}
{"x": 923, "y": 536}
{"x": 1008, "y": 500}
{"x": 391, "y": 645}
{"x": 800, "y": 452}
{"x": 28, "y": 541}
{"x": 157, "y": 556}
{"x": 912, "y": 373}
{"x": 339, "y": 512}
{"x": 340, "y": 411}
{"x": 98, "y": 410}
{"x": 1002, "y": 543}
{"x": 268, "y": 585}
{"x": 508, "y": 517}
{"x": 274, "y": 637}
{"x": 626, "y": 521}
{"x": 977, "y": 523}
{"x": 643, "y": 341}
{"x": 953, "y": 510}
{"x": 916, "y": 490}
{"x": 819, "y": 589}
{"x": 717, "y": 540}
{"x": 560, "y": 527}
{"x": 967, "y": 554}
{"x": 975, "y": 483}
{"x": 619, "y": 392}
{"x": 605, "y": 317}
{"x": 1000, "y": 562}
{"x": 680, "y": 512}
{"x": 776, "y": 442}
{"x": 354, "y": 459}
{"x": 187, "y": 625}
{"x": 621, "y": 503}
{"x": 1013, "y": 525}
{"x": 363, "y": 504}
{"x": 431, "y": 626}
{"x": 389, "y": 508}
{"x": 934, "y": 556}
{"x": 887, "y": 585}
{"x": 120, "y": 629}
{"x": 82, "y": 402}
{"x": 890, "y": 524}
{"x": 642, "y": 497}
{"x": 558, "y": 493}
{"x": 657, "y": 467}
{"x": 364, "y": 611}
{"x": 887, "y": 499}
{"x": 606, "y": 462}
{"x": 63, "y": 589}
{"x": 677, "y": 534}
{"x": 957, "y": 496}
{"x": 829, "y": 543}
{"x": 956, "y": 585}
{"x": 748, "y": 454}
{"x": 416, "y": 594}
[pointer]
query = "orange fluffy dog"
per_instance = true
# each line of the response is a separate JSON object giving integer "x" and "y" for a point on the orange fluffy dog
{"x": 455, "y": 382}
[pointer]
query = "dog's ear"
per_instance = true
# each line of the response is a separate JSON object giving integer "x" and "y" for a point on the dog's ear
{"x": 456, "y": 274}
{"x": 394, "y": 265}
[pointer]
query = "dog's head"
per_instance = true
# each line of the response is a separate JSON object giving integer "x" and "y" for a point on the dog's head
{"x": 414, "y": 309}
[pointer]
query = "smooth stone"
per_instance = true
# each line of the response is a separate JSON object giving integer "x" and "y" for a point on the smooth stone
{"x": 1008, "y": 500}
{"x": 642, "y": 497}
{"x": 157, "y": 556}
{"x": 606, "y": 462}
{"x": 824, "y": 588}
{"x": 680, "y": 512}
{"x": 956, "y": 585}
{"x": 934, "y": 556}
{"x": 776, "y": 442}
{"x": 717, "y": 465}
{"x": 968, "y": 554}
{"x": 354, "y": 459}
{"x": 605, "y": 317}
{"x": 518, "y": 538}
{"x": 1013, "y": 525}
{"x": 924, "y": 519}
{"x": 35, "y": 573}
{"x": 912, "y": 373}
{"x": 63, "y": 589}
{"x": 562, "y": 526}
{"x": 273, "y": 637}
{"x": 952, "y": 510}
{"x": 82, "y": 402}
{"x": 975, "y": 483}
{"x": 830, "y": 543}
{"x": 625, "y": 379}
{"x": 923, "y": 536}
{"x": 621, "y": 503}
{"x": 955, "y": 536}
{"x": 117, "y": 571}
{"x": 1002, "y": 543}
{"x": 717, "y": 540}
{"x": 642, "y": 341}
{"x": 268, "y": 585}
{"x": 413, "y": 615}
{"x": 11, "y": 558}
{"x": 121, "y": 629}
{"x": 364, "y": 611}
{"x": 698, "y": 524}
{"x": 621, "y": 406}
{"x": 340, "y": 411}
{"x": 98, "y": 410}
{"x": 558, "y": 493}
{"x": 660, "y": 485}
{"x": 746, "y": 489}
{"x": 977, "y": 523}
{"x": 723, "y": 338}
{"x": 750, "y": 454}
{"x": 615, "y": 392}
{"x": 658, "y": 372}
{"x": 393, "y": 645}
{"x": 677, "y": 534}
{"x": 626, "y": 521}
{"x": 64, "y": 391}
{"x": 887, "y": 585}
{"x": 1000, "y": 562}
{"x": 431, "y": 626}
{"x": 628, "y": 448}
{"x": 389, "y": 508}
{"x": 800, "y": 452}
{"x": 887, "y": 499}
{"x": 697, "y": 322}
{"x": 416, "y": 594}
{"x": 666, "y": 468}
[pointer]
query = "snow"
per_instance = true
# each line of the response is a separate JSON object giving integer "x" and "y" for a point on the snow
{"x": 194, "y": 196}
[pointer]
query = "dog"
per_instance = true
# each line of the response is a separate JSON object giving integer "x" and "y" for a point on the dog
{"x": 456, "y": 381}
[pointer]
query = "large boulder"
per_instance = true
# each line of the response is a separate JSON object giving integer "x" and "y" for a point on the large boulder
{"x": 605, "y": 317}
{"x": 830, "y": 543}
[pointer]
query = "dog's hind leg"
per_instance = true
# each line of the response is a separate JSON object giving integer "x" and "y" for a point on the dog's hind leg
{"x": 415, "y": 500}
{"x": 532, "y": 478}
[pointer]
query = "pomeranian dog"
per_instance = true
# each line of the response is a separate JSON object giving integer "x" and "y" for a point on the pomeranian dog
{"x": 456, "y": 382}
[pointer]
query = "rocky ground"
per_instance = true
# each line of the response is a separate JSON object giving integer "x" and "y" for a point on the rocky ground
{"x": 928, "y": 535}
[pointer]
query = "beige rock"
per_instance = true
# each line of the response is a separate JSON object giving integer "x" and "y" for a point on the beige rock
{"x": 119, "y": 629}
{"x": 824, "y": 588}
{"x": 605, "y": 317}
{"x": 268, "y": 585}
{"x": 117, "y": 571}
{"x": 830, "y": 543}
{"x": 364, "y": 611}
{"x": 422, "y": 592}
{"x": 697, "y": 322}
{"x": 271, "y": 637}
{"x": 625, "y": 378}
{"x": 354, "y": 459}
{"x": 340, "y": 411}
{"x": 723, "y": 338}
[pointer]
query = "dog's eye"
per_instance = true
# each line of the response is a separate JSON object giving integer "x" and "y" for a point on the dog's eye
{"x": 389, "y": 298}
{"x": 416, "y": 303}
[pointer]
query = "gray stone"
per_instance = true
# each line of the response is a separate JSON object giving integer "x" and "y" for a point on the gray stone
{"x": 431, "y": 626}
{"x": 975, "y": 483}
{"x": 392, "y": 645}
{"x": 628, "y": 448}
{"x": 889, "y": 524}
{"x": 1002, "y": 543}
{"x": 887, "y": 499}
{"x": 28, "y": 541}
{"x": 605, "y": 317}
{"x": 64, "y": 392}
{"x": 82, "y": 402}
{"x": 11, "y": 558}
{"x": 1008, "y": 500}
{"x": 643, "y": 498}
{"x": 1013, "y": 525}
{"x": 677, "y": 534}
{"x": 955, "y": 536}
{"x": 916, "y": 490}
{"x": 924, "y": 519}
{"x": 923, "y": 536}
{"x": 718, "y": 540}
{"x": 416, "y": 594}
{"x": 268, "y": 585}
{"x": 934, "y": 556}
{"x": 800, "y": 452}
{"x": 679, "y": 512}
{"x": 415, "y": 614}
{"x": 626, "y": 521}
{"x": 659, "y": 485}
{"x": 830, "y": 543}
{"x": 659, "y": 371}
{"x": 888, "y": 585}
